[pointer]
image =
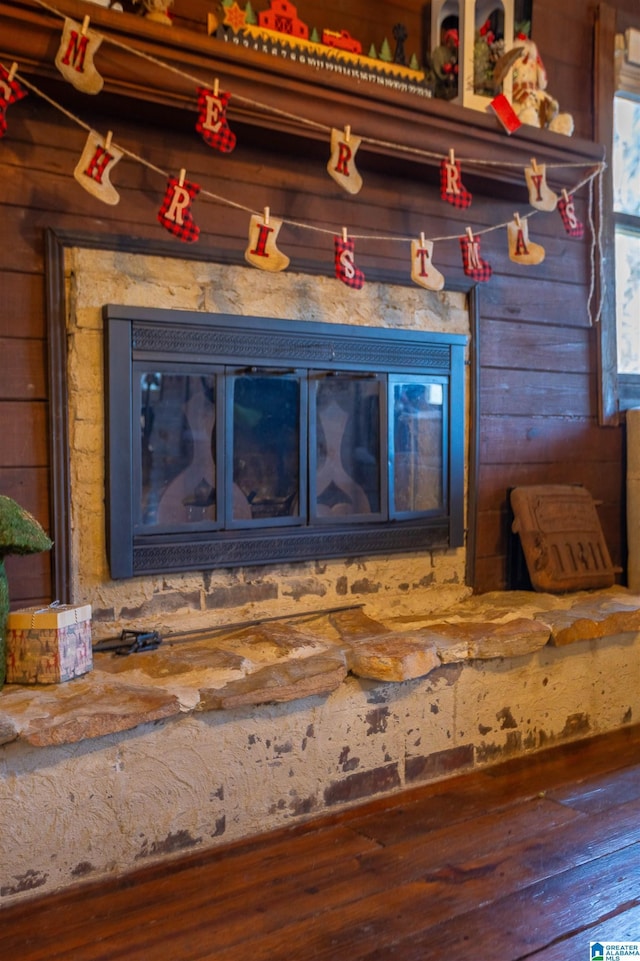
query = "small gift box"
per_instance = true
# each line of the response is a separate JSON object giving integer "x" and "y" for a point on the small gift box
{"x": 46, "y": 645}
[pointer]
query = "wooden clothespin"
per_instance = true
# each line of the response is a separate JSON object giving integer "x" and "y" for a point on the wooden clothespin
{"x": 85, "y": 26}
{"x": 565, "y": 196}
{"x": 516, "y": 218}
{"x": 216, "y": 87}
{"x": 534, "y": 165}
{"x": 345, "y": 236}
{"x": 452, "y": 156}
{"x": 107, "y": 140}
{"x": 265, "y": 216}
{"x": 12, "y": 71}
{"x": 181, "y": 179}
{"x": 469, "y": 233}
{"x": 347, "y": 134}
{"x": 423, "y": 242}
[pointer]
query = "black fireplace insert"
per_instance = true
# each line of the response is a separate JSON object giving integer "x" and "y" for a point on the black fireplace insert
{"x": 237, "y": 440}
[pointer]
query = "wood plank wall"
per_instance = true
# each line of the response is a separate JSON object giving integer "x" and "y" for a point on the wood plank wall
{"x": 538, "y": 387}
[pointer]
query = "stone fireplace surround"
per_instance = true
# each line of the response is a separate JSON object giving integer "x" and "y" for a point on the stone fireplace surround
{"x": 240, "y": 731}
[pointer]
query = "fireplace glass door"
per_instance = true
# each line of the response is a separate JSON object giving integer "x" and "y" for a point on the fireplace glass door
{"x": 240, "y": 441}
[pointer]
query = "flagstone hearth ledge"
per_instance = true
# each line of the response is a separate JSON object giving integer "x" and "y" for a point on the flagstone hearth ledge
{"x": 285, "y": 661}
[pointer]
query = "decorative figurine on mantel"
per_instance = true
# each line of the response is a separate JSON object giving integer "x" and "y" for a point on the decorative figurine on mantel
{"x": 156, "y": 10}
{"x": 531, "y": 102}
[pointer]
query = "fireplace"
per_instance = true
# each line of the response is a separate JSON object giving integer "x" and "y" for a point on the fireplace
{"x": 236, "y": 441}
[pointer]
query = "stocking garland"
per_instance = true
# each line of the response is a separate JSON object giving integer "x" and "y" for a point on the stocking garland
{"x": 175, "y": 212}
{"x": 10, "y": 92}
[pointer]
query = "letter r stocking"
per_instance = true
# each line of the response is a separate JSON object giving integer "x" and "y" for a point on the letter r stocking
{"x": 175, "y": 213}
{"x": 451, "y": 187}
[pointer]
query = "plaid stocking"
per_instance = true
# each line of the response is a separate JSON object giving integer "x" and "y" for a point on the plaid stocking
{"x": 10, "y": 92}
{"x": 568, "y": 213}
{"x": 346, "y": 270}
{"x": 212, "y": 120}
{"x": 473, "y": 264}
{"x": 175, "y": 215}
{"x": 451, "y": 186}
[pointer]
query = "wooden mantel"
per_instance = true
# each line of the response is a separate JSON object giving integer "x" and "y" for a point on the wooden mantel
{"x": 398, "y": 122}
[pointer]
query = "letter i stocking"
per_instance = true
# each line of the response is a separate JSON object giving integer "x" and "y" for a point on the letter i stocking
{"x": 262, "y": 251}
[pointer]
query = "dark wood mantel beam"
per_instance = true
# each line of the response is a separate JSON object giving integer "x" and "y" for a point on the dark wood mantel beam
{"x": 399, "y": 123}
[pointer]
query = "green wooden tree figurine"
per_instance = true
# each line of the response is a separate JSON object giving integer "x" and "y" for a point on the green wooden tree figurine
{"x": 20, "y": 533}
{"x": 385, "y": 51}
{"x": 249, "y": 15}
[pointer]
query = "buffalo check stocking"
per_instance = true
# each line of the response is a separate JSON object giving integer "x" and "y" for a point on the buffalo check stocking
{"x": 10, "y": 92}
{"x": 175, "y": 212}
{"x": 346, "y": 270}
{"x": 212, "y": 120}
{"x": 451, "y": 187}
{"x": 473, "y": 264}
{"x": 568, "y": 213}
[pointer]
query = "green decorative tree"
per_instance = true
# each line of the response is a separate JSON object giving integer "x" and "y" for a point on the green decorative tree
{"x": 413, "y": 62}
{"x": 249, "y": 15}
{"x": 385, "y": 51}
{"x": 315, "y": 36}
{"x": 20, "y": 533}
{"x": 373, "y": 53}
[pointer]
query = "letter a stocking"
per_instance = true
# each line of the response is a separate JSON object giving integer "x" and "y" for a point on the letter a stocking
{"x": 521, "y": 249}
{"x": 346, "y": 270}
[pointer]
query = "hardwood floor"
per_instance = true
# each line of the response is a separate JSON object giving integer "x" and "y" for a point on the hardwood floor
{"x": 533, "y": 858}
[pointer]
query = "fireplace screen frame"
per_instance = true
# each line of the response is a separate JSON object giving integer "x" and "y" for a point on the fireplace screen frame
{"x": 182, "y": 339}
